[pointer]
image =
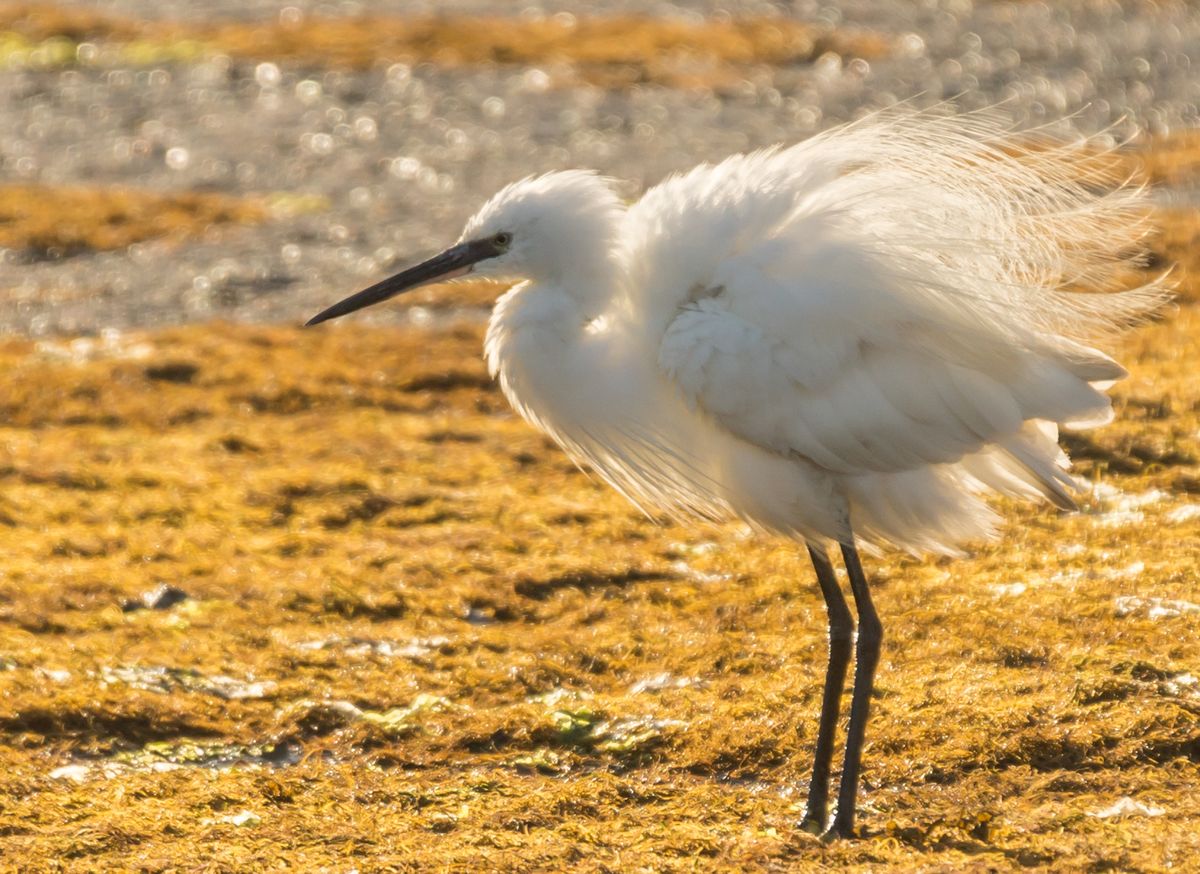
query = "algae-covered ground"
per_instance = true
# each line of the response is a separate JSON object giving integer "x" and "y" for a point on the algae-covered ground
{"x": 275, "y": 599}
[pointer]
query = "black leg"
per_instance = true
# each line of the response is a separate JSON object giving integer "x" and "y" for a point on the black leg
{"x": 841, "y": 631}
{"x": 866, "y": 657}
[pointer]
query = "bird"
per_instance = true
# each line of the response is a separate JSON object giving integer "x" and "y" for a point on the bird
{"x": 851, "y": 341}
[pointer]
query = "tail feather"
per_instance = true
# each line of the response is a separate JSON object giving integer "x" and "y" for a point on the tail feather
{"x": 1054, "y": 482}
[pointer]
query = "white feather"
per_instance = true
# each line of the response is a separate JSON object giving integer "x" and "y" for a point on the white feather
{"x": 859, "y": 335}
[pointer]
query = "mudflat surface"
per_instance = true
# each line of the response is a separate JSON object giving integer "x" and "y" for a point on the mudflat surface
{"x": 315, "y": 600}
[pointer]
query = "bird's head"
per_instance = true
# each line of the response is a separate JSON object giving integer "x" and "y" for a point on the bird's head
{"x": 557, "y": 228}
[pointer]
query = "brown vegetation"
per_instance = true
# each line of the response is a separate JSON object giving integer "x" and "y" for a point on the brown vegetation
{"x": 415, "y": 637}
{"x": 54, "y": 221}
{"x": 611, "y": 51}
{"x": 1171, "y": 160}
{"x": 1176, "y": 246}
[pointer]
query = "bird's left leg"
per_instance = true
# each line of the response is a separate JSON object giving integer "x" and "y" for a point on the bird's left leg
{"x": 866, "y": 658}
{"x": 841, "y": 635}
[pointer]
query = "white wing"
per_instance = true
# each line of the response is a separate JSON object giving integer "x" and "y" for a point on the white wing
{"x": 898, "y": 302}
{"x": 866, "y": 389}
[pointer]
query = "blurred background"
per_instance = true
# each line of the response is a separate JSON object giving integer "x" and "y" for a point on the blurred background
{"x": 330, "y": 141}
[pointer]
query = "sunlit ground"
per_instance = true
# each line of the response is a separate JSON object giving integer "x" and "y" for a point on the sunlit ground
{"x": 408, "y": 631}
{"x": 276, "y": 599}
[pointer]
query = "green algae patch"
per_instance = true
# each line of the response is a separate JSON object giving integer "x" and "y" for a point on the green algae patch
{"x": 399, "y": 721}
{"x": 56, "y": 221}
{"x": 609, "y": 51}
{"x": 290, "y": 599}
{"x": 168, "y": 755}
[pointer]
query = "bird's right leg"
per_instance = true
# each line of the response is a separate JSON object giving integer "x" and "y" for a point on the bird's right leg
{"x": 841, "y": 634}
{"x": 866, "y": 659}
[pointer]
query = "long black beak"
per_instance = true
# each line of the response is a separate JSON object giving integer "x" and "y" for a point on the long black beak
{"x": 455, "y": 261}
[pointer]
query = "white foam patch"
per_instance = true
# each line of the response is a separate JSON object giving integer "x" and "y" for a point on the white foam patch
{"x": 1154, "y": 608}
{"x": 1184, "y": 513}
{"x": 1127, "y": 806}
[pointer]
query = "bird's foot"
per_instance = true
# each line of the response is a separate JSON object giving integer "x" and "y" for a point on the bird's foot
{"x": 812, "y": 824}
{"x": 841, "y": 829}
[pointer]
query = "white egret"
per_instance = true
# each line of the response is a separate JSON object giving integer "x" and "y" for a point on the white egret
{"x": 853, "y": 339}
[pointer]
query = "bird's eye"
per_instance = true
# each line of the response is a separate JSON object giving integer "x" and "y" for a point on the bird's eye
{"x": 502, "y": 240}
